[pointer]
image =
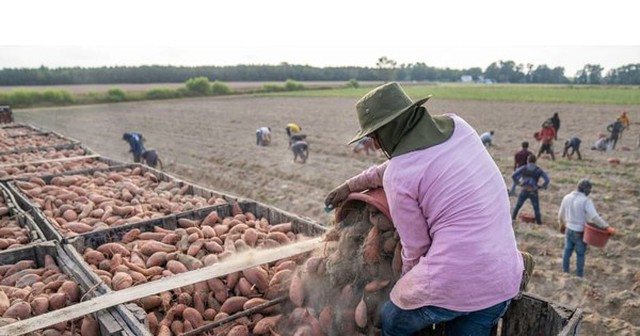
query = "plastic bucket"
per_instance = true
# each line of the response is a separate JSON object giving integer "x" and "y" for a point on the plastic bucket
{"x": 594, "y": 236}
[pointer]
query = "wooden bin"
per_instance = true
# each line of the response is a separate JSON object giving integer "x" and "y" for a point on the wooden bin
{"x": 111, "y": 322}
{"x": 77, "y": 245}
{"x": 49, "y": 229}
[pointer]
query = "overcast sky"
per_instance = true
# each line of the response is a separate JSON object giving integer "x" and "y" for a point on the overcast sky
{"x": 456, "y": 34}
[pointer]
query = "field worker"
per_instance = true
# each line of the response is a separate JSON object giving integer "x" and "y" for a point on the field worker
{"x": 624, "y": 119}
{"x": 136, "y": 146}
{"x": 572, "y": 143}
{"x": 555, "y": 123}
{"x": 575, "y": 211}
{"x": 151, "y": 159}
{"x": 602, "y": 143}
{"x": 461, "y": 265}
{"x": 487, "y": 138}
{"x": 615, "y": 129}
{"x": 527, "y": 178}
{"x": 300, "y": 148}
{"x": 263, "y": 136}
{"x": 547, "y": 134}
{"x": 292, "y": 128}
{"x": 520, "y": 158}
{"x": 365, "y": 144}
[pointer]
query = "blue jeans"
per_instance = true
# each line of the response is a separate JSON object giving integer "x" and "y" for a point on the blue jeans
{"x": 396, "y": 321}
{"x": 533, "y": 196}
{"x": 573, "y": 240}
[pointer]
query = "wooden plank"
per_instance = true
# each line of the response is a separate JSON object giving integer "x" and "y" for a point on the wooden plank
{"x": 50, "y": 161}
{"x": 236, "y": 263}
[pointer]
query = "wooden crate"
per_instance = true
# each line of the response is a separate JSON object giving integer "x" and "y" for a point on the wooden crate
{"x": 111, "y": 322}
{"x": 49, "y": 229}
{"x": 77, "y": 245}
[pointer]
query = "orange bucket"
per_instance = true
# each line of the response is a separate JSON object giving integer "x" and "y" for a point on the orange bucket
{"x": 594, "y": 236}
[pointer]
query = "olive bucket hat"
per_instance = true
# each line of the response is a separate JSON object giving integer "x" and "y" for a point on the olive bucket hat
{"x": 381, "y": 105}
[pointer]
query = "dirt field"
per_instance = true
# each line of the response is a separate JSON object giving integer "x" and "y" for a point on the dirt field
{"x": 212, "y": 142}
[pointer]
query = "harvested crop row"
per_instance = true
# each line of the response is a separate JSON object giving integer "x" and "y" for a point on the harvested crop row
{"x": 340, "y": 289}
{"x": 36, "y": 140}
{"x": 39, "y": 155}
{"x": 77, "y": 204}
{"x": 7, "y": 132}
{"x": 147, "y": 256}
{"x": 11, "y": 233}
{"x": 27, "y": 291}
{"x": 50, "y": 168}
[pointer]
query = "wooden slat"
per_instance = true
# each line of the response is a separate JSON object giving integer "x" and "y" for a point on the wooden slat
{"x": 237, "y": 263}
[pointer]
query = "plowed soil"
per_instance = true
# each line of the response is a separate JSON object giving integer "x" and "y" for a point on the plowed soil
{"x": 211, "y": 142}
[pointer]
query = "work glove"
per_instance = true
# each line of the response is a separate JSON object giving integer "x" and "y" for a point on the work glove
{"x": 337, "y": 196}
{"x": 611, "y": 231}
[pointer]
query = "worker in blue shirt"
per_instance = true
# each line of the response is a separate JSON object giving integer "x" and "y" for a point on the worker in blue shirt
{"x": 136, "y": 145}
{"x": 572, "y": 143}
{"x": 527, "y": 178}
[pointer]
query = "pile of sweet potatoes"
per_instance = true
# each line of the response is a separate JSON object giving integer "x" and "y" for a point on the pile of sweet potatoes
{"x": 77, "y": 204}
{"x": 146, "y": 256}
{"x": 50, "y": 168}
{"x": 16, "y": 131}
{"x": 26, "y": 291}
{"x": 32, "y": 141}
{"x": 41, "y": 155}
{"x": 11, "y": 233}
{"x": 340, "y": 289}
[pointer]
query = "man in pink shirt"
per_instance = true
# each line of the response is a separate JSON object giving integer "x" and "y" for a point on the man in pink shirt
{"x": 447, "y": 198}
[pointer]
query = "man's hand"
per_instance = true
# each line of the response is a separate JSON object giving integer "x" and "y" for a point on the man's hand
{"x": 563, "y": 228}
{"x": 337, "y": 196}
{"x": 611, "y": 231}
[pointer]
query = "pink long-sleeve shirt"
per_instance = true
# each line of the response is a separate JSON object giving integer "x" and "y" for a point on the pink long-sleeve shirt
{"x": 450, "y": 206}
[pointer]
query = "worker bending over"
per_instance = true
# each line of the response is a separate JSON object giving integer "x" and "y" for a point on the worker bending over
{"x": 461, "y": 265}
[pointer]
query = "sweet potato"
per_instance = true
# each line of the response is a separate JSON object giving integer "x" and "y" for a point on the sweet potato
{"x": 257, "y": 276}
{"x": 57, "y": 301}
{"x": 150, "y": 302}
{"x": 361, "y": 313}
{"x": 371, "y": 252}
{"x": 157, "y": 236}
{"x": 71, "y": 290}
{"x": 267, "y": 324}
{"x": 89, "y": 326}
{"x": 211, "y": 219}
{"x": 150, "y": 247}
{"x": 239, "y": 330}
{"x": 193, "y": 316}
{"x": 233, "y": 304}
{"x": 376, "y": 285}
{"x": 152, "y": 320}
{"x": 109, "y": 249}
{"x": 19, "y": 266}
{"x": 164, "y": 331}
{"x": 284, "y": 227}
{"x": 157, "y": 259}
{"x": 296, "y": 290}
{"x": 187, "y": 223}
{"x": 213, "y": 247}
{"x": 92, "y": 256}
{"x": 177, "y": 327}
{"x": 195, "y": 247}
{"x": 396, "y": 263}
{"x": 40, "y": 304}
{"x": 19, "y": 310}
{"x": 130, "y": 236}
{"x": 325, "y": 318}
{"x": 4, "y": 302}
{"x": 121, "y": 280}
{"x": 176, "y": 267}
{"x": 254, "y": 302}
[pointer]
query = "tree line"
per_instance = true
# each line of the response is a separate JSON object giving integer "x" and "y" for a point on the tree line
{"x": 386, "y": 69}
